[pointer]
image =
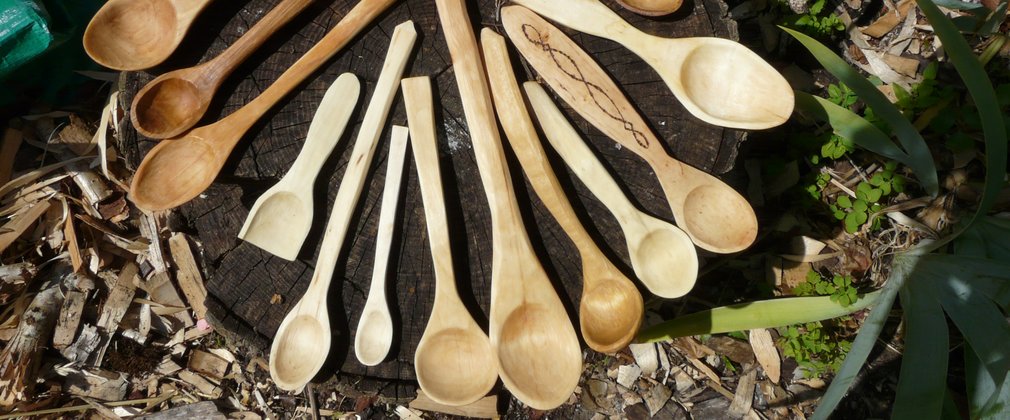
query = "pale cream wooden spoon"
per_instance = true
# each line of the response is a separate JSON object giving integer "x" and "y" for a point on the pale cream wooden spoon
{"x": 651, "y": 7}
{"x": 177, "y": 171}
{"x": 374, "y": 335}
{"x": 717, "y": 80}
{"x": 610, "y": 311}
{"x": 139, "y": 34}
{"x": 302, "y": 341}
{"x": 538, "y": 353}
{"x": 453, "y": 361}
{"x": 175, "y": 101}
{"x": 662, "y": 256}
{"x": 280, "y": 219}
{"x": 715, "y": 216}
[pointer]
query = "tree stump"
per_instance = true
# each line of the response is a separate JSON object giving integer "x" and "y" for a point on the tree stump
{"x": 244, "y": 282}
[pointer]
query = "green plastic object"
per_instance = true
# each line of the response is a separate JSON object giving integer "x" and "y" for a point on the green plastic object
{"x": 24, "y": 33}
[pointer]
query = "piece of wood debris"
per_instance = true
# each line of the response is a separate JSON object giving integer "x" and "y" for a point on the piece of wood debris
{"x": 20, "y": 357}
{"x": 765, "y": 352}
{"x": 202, "y": 410}
{"x": 682, "y": 381}
{"x": 120, "y": 297}
{"x": 188, "y": 274}
{"x": 161, "y": 290}
{"x": 70, "y": 319}
{"x": 656, "y": 397}
{"x": 8, "y": 152}
{"x": 14, "y": 278}
{"x": 86, "y": 343}
{"x": 903, "y": 65}
{"x": 736, "y": 350}
{"x": 100, "y": 384}
{"x": 646, "y": 357}
{"x": 168, "y": 366}
{"x": 14, "y": 228}
{"x": 485, "y": 408}
{"x": 888, "y": 20}
{"x": 208, "y": 364}
{"x": 627, "y": 375}
{"x": 224, "y": 354}
{"x": 202, "y": 385}
{"x": 149, "y": 228}
{"x": 77, "y": 136}
{"x": 691, "y": 348}
{"x": 702, "y": 368}
{"x": 743, "y": 399}
{"x": 407, "y": 414}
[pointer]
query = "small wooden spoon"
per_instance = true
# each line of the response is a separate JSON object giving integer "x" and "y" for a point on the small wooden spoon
{"x": 139, "y": 34}
{"x": 453, "y": 361}
{"x": 302, "y": 342}
{"x": 177, "y": 171}
{"x": 717, "y": 80}
{"x": 715, "y": 216}
{"x": 374, "y": 334}
{"x": 651, "y": 7}
{"x": 661, "y": 254}
{"x": 610, "y": 311}
{"x": 280, "y": 219}
{"x": 538, "y": 352}
{"x": 175, "y": 101}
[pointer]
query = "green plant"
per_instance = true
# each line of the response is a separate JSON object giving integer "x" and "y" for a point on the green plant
{"x": 817, "y": 21}
{"x": 856, "y": 212}
{"x": 839, "y": 288}
{"x": 818, "y": 350}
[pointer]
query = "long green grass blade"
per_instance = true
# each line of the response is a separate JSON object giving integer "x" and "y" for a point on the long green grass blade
{"x": 921, "y": 161}
{"x": 986, "y": 399}
{"x": 981, "y": 322}
{"x": 849, "y": 125}
{"x": 924, "y": 363}
{"x": 748, "y": 316}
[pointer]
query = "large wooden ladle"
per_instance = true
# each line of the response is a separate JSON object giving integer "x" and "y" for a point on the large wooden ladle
{"x": 177, "y": 171}
{"x": 538, "y": 352}
{"x": 453, "y": 361}
{"x": 610, "y": 311}
{"x": 138, "y": 34}
{"x": 175, "y": 101}
{"x": 661, "y": 254}
{"x": 715, "y": 216}
{"x": 717, "y": 80}
{"x": 302, "y": 341}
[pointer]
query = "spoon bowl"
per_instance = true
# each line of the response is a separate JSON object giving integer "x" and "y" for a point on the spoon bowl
{"x": 278, "y": 211}
{"x": 374, "y": 336}
{"x": 451, "y": 363}
{"x": 609, "y": 313}
{"x": 138, "y": 34}
{"x": 659, "y": 251}
{"x": 527, "y": 332}
{"x": 651, "y": 7}
{"x": 704, "y": 210}
{"x": 299, "y": 350}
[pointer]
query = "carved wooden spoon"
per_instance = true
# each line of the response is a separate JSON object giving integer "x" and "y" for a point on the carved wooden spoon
{"x": 651, "y": 7}
{"x": 281, "y": 218}
{"x": 610, "y": 311}
{"x": 175, "y": 101}
{"x": 453, "y": 361}
{"x": 302, "y": 342}
{"x": 661, "y": 254}
{"x": 139, "y": 34}
{"x": 538, "y": 352}
{"x": 177, "y": 171}
{"x": 374, "y": 335}
{"x": 717, "y": 80}
{"x": 715, "y": 216}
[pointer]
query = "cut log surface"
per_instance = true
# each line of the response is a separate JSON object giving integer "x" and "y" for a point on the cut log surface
{"x": 244, "y": 282}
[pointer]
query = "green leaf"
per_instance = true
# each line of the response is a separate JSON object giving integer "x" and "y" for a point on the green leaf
{"x": 848, "y": 124}
{"x": 987, "y": 399}
{"x": 919, "y": 157}
{"x": 877, "y": 179}
{"x": 873, "y": 195}
{"x": 924, "y": 361}
{"x": 979, "y": 319}
{"x": 844, "y": 201}
{"x": 859, "y": 206}
{"x": 851, "y": 225}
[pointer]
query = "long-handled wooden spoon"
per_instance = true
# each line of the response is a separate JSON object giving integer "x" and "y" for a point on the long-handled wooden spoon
{"x": 453, "y": 361}
{"x": 661, "y": 254}
{"x": 139, "y": 34}
{"x": 374, "y": 335}
{"x": 302, "y": 341}
{"x": 177, "y": 171}
{"x": 610, "y": 311}
{"x": 715, "y": 216}
{"x": 280, "y": 219}
{"x": 719, "y": 81}
{"x": 538, "y": 352}
{"x": 175, "y": 101}
{"x": 651, "y": 7}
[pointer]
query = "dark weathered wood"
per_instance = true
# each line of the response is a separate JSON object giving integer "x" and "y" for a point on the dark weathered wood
{"x": 243, "y": 279}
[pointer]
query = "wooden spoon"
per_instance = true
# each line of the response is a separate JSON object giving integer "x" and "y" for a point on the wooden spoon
{"x": 280, "y": 219}
{"x": 302, "y": 342}
{"x": 177, "y": 171}
{"x": 538, "y": 352}
{"x": 661, "y": 254}
{"x": 139, "y": 34}
{"x": 715, "y": 216}
{"x": 651, "y": 7}
{"x": 175, "y": 101}
{"x": 610, "y": 311}
{"x": 453, "y": 361}
{"x": 374, "y": 334}
{"x": 719, "y": 81}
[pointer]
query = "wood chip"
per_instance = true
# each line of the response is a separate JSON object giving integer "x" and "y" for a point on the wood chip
{"x": 743, "y": 399}
{"x": 407, "y": 414}
{"x": 70, "y": 319}
{"x": 736, "y": 350}
{"x": 188, "y": 274}
{"x": 627, "y": 375}
{"x": 99, "y": 384}
{"x": 162, "y": 291}
{"x": 13, "y": 229}
{"x": 646, "y": 357}
{"x": 21, "y": 356}
{"x": 120, "y": 296}
{"x": 656, "y": 397}
{"x": 690, "y": 347}
{"x": 705, "y": 370}
{"x": 888, "y": 20}
{"x": 485, "y": 408}
{"x": 208, "y": 364}
{"x": 86, "y": 343}
{"x": 202, "y": 385}
{"x": 206, "y": 410}
{"x": 14, "y": 278}
{"x": 903, "y": 65}
{"x": 766, "y": 353}
{"x": 8, "y": 152}
{"x": 168, "y": 367}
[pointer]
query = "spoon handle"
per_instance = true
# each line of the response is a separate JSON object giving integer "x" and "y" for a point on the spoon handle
{"x": 187, "y": 10}
{"x": 353, "y": 22}
{"x": 522, "y": 135}
{"x": 400, "y": 46}
{"x": 387, "y": 214}
{"x": 325, "y": 131}
{"x": 586, "y": 16}
{"x": 222, "y": 65}
{"x": 577, "y": 154}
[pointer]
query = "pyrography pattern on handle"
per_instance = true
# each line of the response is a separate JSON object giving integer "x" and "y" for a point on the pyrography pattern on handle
{"x": 573, "y": 71}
